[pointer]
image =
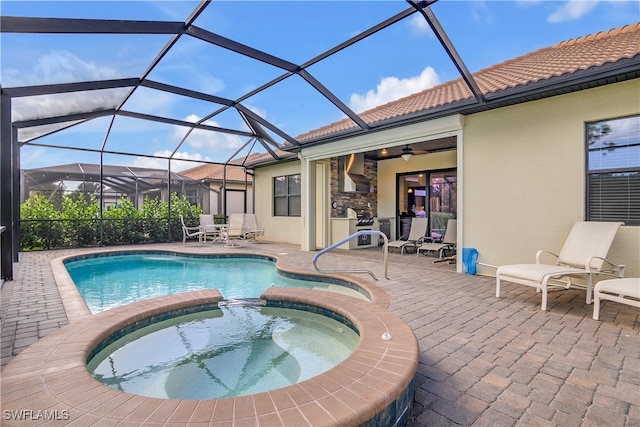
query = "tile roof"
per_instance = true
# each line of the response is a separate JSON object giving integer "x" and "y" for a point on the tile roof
{"x": 215, "y": 172}
{"x": 235, "y": 172}
{"x": 564, "y": 58}
{"x": 266, "y": 157}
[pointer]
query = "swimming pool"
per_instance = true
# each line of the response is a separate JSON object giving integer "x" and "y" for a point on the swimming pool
{"x": 108, "y": 280}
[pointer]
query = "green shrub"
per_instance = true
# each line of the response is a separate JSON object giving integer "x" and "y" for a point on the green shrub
{"x": 77, "y": 222}
{"x": 190, "y": 213}
{"x": 82, "y": 221}
{"x": 42, "y": 229}
{"x": 121, "y": 224}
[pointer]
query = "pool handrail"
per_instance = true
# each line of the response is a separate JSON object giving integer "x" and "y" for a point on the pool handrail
{"x": 345, "y": 240}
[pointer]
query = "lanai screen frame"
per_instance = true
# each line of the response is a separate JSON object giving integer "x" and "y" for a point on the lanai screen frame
{"x": 10, "y": 145}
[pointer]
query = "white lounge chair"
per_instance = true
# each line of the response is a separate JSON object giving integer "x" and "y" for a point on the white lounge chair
{"x": 189, "y": 232}
{"x": 623, "y": 291}
{"x": 234, "y": 231}
{"x": 209, "y": 228}
{"x": 583, "y": 255}
{"x": 416, "y": 236}
{"x": 448, "y": 242}
{"x": 251, "y": 228}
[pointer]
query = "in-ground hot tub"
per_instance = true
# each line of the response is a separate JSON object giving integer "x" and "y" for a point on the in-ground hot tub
{"x": 233, "y": 349}
{"x": 373, "y": 385}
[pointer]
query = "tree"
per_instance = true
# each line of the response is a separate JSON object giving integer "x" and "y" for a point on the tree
{"x": 85, "y": 190}
{"x": 596, "y": 132}
{"x": 51, "y": 191}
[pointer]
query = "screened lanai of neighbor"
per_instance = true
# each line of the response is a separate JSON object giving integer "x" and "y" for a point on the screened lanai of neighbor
{"x": 135, "y": 99}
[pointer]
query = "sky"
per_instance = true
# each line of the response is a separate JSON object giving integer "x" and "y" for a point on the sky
{"x": 402, "y": 59}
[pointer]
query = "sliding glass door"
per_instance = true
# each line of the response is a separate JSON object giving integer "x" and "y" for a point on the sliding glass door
{"x": 431, "y": 194}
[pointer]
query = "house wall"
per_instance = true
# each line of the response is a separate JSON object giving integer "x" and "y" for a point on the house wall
{"x": 235, "y": 199}
{"x": 524, "y": 175}
{"x": 387, "y": 170}
{"x": 521, "y": 176}
{"x": 277, "y": 228}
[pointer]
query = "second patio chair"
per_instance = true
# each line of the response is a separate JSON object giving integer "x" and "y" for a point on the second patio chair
{"x": 189, "y": 232}
{"x": 583, "y": 255}
{"x": 623, "y": 291}
{"x": 235, "y": 230}
{"x": 448, "y": 242}
{"x": 209, "y": 228}
{"x": 251, "y": 228}
{"x": 416, "y": 236}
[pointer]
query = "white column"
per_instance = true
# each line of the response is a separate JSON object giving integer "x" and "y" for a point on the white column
{"x": 308, "y": 203}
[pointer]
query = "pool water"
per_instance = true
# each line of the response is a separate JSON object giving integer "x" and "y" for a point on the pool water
{"x": 110, "y": 281}
{"x": 226, "y": 352}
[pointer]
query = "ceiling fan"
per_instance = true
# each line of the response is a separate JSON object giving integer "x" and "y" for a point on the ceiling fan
{"x": 407, "y": 153}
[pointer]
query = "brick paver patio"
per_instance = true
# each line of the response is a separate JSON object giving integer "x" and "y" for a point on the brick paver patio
{"x": 484, "y": 360}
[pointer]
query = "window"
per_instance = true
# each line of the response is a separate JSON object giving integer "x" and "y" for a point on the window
{"x": 613, "y": 170}
{"x": 286, "y": 195}
{"x": 192, "y": 196}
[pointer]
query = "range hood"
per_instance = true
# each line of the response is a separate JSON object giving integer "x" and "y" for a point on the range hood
{"x": 354, "y": 179}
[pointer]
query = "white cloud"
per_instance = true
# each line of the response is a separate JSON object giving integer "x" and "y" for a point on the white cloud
{"x": 259, "y": 111}
{"x": 572, "y": 11}
{"x": 176, "y": 165}
{"x": 64, "y": 67}
{"x": 216, "y": 142}
{"x": 392, "y": 88}
{"x": 481, "y": 13}
{"x": 419, "y": 25}
{"x": 150, "y": 101}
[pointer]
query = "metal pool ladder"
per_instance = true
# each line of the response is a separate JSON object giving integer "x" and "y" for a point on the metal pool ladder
{"x": 345, "y": 240}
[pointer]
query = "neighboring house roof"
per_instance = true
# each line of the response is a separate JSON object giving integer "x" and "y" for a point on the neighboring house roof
{"x": 216, "y": 172}
{"x": 258, "y": 158}
{"x": 545, "y": 72}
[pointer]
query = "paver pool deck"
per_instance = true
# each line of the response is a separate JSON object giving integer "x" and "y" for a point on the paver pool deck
{"x": 483, "y": 360}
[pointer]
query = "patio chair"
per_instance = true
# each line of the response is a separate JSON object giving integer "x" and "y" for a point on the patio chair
{"x": 234, "y": 231}
{"x": 448, "y": 242}
{"x": 416, "y": 236}
{"x": 189, "y": 232}
{"x": 623, "y": 291}
{"x": 251, "y": 228}
{"x": 583, "y": 255}
{"x": 209, "y": 228}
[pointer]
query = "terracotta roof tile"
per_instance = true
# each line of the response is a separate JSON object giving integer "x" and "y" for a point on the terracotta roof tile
{"x": 563, "y": 58}
{"x": 235, "y": 170}
{"x": 262, "y": 157}
{"x": 215, "y": 172}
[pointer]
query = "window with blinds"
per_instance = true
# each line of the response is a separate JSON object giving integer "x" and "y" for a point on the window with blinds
{"x": 286, "y": 195}
{"x": 613, "y": 170}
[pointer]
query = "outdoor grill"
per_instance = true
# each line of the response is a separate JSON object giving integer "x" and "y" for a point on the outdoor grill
{"x": 364, "y": 221}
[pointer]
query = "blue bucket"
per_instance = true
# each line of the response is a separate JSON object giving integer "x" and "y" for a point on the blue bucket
{"x": 469, "y": 260}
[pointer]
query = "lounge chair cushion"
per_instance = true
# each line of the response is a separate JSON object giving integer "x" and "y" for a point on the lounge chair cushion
{"x": 618, "y": 290}
{"x": 536, "y": 272}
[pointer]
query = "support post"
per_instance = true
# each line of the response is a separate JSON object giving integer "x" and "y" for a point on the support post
{"x": 7, "y": 144}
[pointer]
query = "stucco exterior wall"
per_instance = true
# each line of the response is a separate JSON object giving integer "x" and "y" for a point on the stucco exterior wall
{"x": 277, "y": 228}
{"x": 235, "y": 198}
{"x": 524, "y": 175}
{"x": 387, "y": 170}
